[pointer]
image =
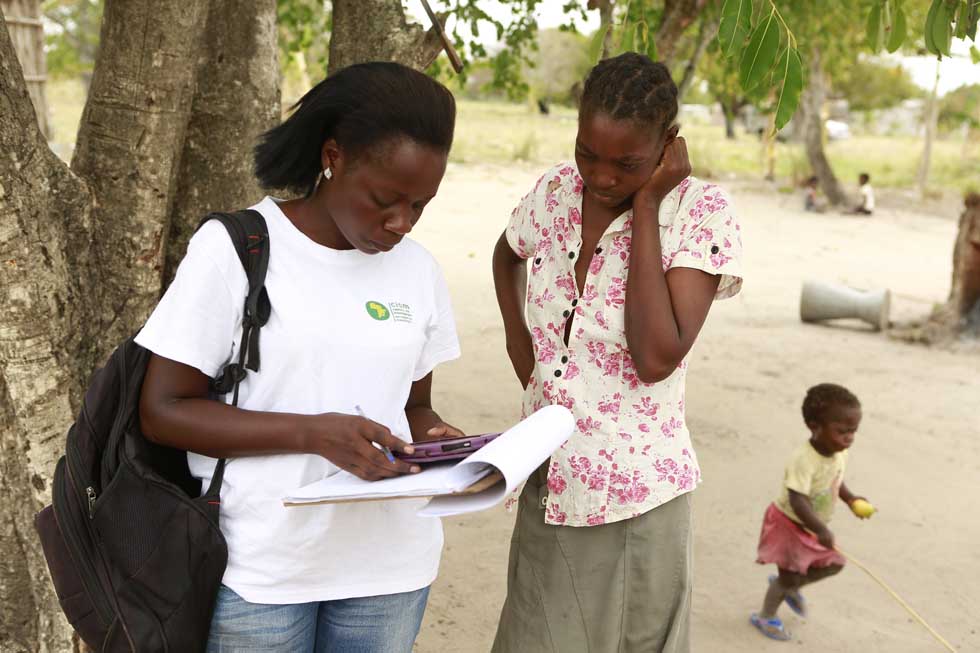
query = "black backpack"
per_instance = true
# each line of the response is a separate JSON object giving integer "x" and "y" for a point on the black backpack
{"x": 132, "y": 544}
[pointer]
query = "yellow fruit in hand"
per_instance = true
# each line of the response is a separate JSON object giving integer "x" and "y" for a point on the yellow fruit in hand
{"x": 862, "y": 508}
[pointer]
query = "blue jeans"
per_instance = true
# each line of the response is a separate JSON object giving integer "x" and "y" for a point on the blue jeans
{"x": 370, "y": 624}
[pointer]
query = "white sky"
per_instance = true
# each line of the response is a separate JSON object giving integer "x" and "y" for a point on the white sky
{"x": 954, "y": 72}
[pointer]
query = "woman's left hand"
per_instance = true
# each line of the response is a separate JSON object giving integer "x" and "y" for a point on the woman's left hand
{"x": 442, "y": 431}
{"x": 674, "y": 167}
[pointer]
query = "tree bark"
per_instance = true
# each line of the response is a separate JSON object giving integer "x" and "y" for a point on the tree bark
{"x": 39, "y": 198}
{"x": 707, "y": 31}
{"x": 26, "y": 31}
{"x": 237, "y": 97}
{"x": 964, "y": 294}
{"x": 676, "y": 18}
{"x": 129, "y": 146}
{"x": 83, "y": 251}
{"x": 931, "y": 119}
{"x": 729, "y": 113}
{"x": 376, "y": 30}
{"x": 813, "y": 97}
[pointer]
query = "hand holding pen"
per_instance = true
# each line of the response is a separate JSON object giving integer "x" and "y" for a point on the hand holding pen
{"x": 385, "y": 450}
{"x": 351, "y": 442}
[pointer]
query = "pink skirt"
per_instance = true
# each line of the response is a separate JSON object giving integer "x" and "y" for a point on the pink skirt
{"x": 789, "y": 546}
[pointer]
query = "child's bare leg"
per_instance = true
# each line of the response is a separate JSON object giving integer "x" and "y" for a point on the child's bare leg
{"x": 787, "y": 582}
{"x": 817, "y": 573}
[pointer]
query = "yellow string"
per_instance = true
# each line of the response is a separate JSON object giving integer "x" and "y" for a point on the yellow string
{"x": 898, "y": 598}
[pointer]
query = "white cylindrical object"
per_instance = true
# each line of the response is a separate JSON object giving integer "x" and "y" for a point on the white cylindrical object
{"x": 824, "y": 301}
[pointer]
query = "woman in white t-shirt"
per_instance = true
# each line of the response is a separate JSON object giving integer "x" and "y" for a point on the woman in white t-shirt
{"x": 360, "y": 318}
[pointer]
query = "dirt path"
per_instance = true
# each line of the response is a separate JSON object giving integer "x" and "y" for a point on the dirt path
{"x": 917, "y": 456}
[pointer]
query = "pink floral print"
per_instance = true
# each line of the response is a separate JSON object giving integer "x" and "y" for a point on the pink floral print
{"x": 631, "y": 451}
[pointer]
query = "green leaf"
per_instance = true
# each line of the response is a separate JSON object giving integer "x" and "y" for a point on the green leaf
{"x": 942, "y": 28}
{"x": 652, "y": 49}
{"x": 898, "y": 31}
{"x": 930, "y": 21}
{"x": 642, "y": 39}
{"x": 789, "y": 78}
{"x": 626, "y": 42}
{"x": 974, "y": 54}
{"x": 972, "y": 18}
{"x": 736, "y": 19}
{"x": 874, "y": 29}
{"x": 760, "y": 53}
{"x": 595, "y": 46}
{"x": 962, "y": 19}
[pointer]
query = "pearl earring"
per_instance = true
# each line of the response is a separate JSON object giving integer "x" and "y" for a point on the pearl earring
{"x": 327, "y": 173}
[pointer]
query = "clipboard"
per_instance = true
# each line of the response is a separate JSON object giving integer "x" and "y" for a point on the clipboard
{"x": 484, "y": 483}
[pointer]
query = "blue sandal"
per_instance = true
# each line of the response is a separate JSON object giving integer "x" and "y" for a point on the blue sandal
{"x": 794, "y": 600}
{"x": 771, "y": 628}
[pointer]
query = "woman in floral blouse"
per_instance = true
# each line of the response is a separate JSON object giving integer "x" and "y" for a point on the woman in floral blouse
{"x": 626, "y": 253}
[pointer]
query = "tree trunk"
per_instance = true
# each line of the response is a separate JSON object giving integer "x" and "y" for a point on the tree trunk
{"x": 27, "y": 33}
{"x": 676, "y": 18}
{"x": 959, "y": 317}
{"x": 964, "y": 294}
{"x": 83, "y": 251}
{"x": 39, "y": 292}
{"x": 729, "y": 114}
{"x": 707, "y": 31}
{"x": 813, "y": 96}
{"x": 376, "y": 30}
{"x": 769, "y": 149}
{"x": 931, "y": 118}
{"x": 237, "y": 97}
{"x": 128, "y": 149}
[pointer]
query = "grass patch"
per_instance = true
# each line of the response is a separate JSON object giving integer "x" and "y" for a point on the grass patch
{"x": 502, "y": 133}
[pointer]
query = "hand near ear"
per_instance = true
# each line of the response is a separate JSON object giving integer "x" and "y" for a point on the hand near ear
{"x": 674, "y": 167}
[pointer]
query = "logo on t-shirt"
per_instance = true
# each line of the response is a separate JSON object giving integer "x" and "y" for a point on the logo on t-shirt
{"x": 396, "y": 311}
{"x": 378, "y": 311}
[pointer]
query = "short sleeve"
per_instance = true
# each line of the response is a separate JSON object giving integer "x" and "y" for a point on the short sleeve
{"x": 441, "y": 342}
{"x": 799, "y": 474}
{"x": 523, "y": 229}
{"x": 712, "y": 239}
{"x": 199, "y": 316}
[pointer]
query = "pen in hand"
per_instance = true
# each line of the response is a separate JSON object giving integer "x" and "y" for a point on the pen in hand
{"x": 384, "y": 449}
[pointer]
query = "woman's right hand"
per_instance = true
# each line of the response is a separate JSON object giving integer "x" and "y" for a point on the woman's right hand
{"x": 347, "y": 442}
{"x": 520, "y": 348}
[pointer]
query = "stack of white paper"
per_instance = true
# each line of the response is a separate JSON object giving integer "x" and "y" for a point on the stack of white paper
{"x": 515, "y": 454}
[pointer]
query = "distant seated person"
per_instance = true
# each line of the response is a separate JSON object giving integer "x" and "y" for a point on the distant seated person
{"x": 867, "y": 205}
{"x": 812, "y": 201}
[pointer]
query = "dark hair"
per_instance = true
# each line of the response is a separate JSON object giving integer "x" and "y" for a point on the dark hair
{"x": 360, "y": 106}
{"x": 865, "y": 176}
{"x": 812, "y": 181}
{"x": 631, "y": 86}
{"x": 821, "y": 398}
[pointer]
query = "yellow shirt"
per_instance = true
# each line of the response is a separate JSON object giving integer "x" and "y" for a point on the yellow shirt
{"x": 816, "y": 476}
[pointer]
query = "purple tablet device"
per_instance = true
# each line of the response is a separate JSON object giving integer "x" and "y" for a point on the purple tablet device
{"x": 437, "y": 451}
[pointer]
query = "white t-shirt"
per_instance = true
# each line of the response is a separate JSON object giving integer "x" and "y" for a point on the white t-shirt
{"x": 867, "y": 197}
{"x": 346, "y": 329}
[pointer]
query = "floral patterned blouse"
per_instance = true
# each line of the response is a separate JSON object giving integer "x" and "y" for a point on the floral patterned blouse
{"x": 631, "y": 451}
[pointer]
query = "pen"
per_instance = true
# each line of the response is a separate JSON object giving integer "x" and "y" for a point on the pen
{"x": 384, "y": 449}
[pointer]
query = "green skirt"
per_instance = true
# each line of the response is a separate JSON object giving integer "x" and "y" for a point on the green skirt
{"x": 621, "y": 587}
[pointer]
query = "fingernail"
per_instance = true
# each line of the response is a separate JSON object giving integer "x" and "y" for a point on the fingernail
{"x": 416, "y": 470}
{"x": 409, "y": 449}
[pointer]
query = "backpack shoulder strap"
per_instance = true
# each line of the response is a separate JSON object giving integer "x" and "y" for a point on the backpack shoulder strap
{"x": 250, "y": 236}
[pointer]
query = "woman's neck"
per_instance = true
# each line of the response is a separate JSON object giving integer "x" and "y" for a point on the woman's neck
{"x": 311, "y": 217}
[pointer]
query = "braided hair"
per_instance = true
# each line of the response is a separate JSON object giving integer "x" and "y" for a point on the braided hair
{"x": 820, "y": 399}
{"x": 631, "y": 87}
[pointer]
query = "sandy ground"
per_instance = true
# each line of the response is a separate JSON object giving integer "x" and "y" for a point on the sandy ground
{"x": 917, "y": 456}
